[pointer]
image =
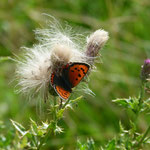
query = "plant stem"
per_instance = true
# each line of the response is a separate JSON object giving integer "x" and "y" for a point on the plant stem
{"x": 55, "y": 110}
{"x": 49, "y": 132}
{"x": 72, "y": 101}
{"x": 51, "y": 128}
{"x": 142, "y": 139}
{"x": 142, "y": 93}
{"x": 53, "y": 124}
{"x": 65, "y": 104}
{"x": 60, "y": 105}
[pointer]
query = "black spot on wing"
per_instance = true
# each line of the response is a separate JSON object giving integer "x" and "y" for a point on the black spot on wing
{"x": 82, "y": 69}
{"x": 79, "y": 75}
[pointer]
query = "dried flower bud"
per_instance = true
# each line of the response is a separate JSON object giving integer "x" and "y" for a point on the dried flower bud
{"x": 145, "y": 72}
{"x": 94, "y": 43}
{"x": 60, "y": 56}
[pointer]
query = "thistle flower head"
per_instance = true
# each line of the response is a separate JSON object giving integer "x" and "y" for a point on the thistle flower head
{"x": 55, "y": 49}
{"x": 94, "y": 43}
{"x": 145, "y": 72}
{"x": 60, "y": 56}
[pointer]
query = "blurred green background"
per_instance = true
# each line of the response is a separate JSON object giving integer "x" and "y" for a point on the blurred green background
{"x": 128, "y": 24}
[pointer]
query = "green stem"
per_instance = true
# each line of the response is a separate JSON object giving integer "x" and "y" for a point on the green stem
{"x": 140, "y": 100}
{"x": 49, "y": 132}
{"x": 53, "y": 124}
{"x": 60, "y": 105}
{"x": 142, "y": 93}
{"x": 65, "y": 103}
{"x": 72, "y": 101}
{"x": 55, "y": 110}
{"x": 51, "y": 128}
{"x": 142, "y": 139}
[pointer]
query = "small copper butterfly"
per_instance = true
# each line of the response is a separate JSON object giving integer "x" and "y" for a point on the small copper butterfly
{"x": 70, "y": 77}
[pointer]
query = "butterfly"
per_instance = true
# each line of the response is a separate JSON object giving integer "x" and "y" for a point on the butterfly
{"x": 71, "y": 75}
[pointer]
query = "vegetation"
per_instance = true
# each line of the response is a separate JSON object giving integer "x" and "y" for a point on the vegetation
{"x": 94, "y": 120}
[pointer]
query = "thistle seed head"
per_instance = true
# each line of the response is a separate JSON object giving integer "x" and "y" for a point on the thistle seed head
{"x": 94, "y": 43}
{"x": 60, "y": 56}
{"x": 55, "y": 48}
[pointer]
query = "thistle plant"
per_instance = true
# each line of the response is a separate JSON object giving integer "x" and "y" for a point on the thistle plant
{"x": 131, "y": 139}
{"x": 57, "y": 48}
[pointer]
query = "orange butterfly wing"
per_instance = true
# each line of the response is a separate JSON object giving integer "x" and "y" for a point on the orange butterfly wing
{"x": 62, "y": 92}
{"x": 76, "y": 73}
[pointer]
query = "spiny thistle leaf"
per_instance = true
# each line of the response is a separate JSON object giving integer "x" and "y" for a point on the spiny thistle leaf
{"x": 122, "y": 101}
{"x": 130, "y": 103}
{"x": 33, "y": 123}
{"x": 58, "y": 130}
{"x": 111, "y": 145}
{"x": 90, "y": 144}
{"x": 76, "y": 100}
{"x": 133, "y": 127}
{"x": 60, "y": 113}
{"x": 19, "y": 128}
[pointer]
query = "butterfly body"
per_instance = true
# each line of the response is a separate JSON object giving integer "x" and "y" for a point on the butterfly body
{"x": 62, "y": 81}
{"x": 70, "y": 77}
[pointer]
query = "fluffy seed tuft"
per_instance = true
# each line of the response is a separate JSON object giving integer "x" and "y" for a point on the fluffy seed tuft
{"x": 56, "y": 48}
{"x": 94, "y": 43}
{"x": 61, "y": 55}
